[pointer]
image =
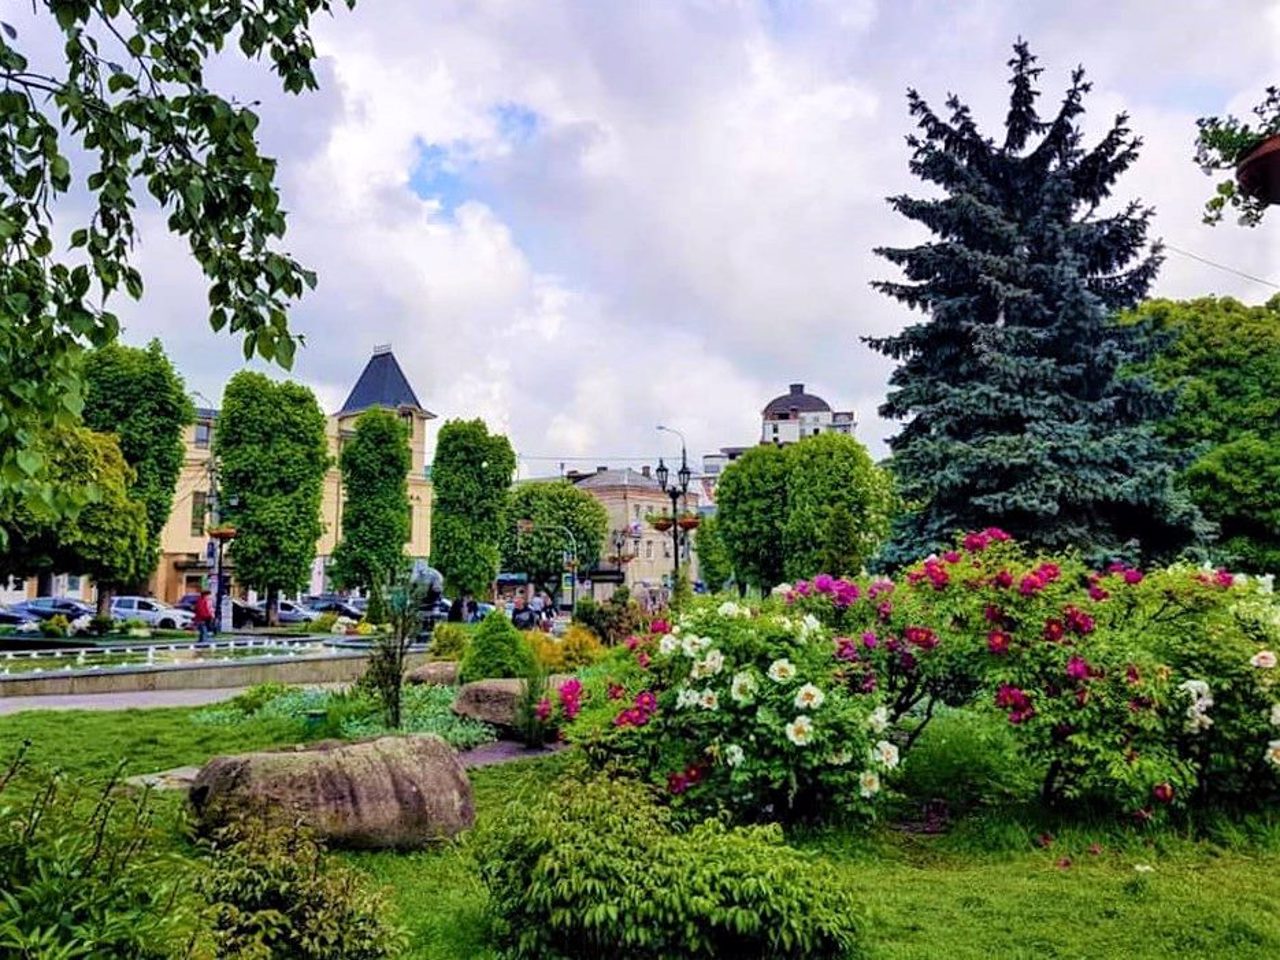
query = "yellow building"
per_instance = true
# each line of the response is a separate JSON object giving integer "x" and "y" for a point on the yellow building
{"x": 187, "y": 553}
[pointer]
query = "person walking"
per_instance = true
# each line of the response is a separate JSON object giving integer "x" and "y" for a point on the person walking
{"x": 204, "y": 617}
{"x": 522, "y": 617}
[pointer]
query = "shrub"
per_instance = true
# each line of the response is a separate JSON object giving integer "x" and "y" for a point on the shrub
{"x": 81, "y": 876}
{"x": 273, "y": 894}
{"x": 323, "y": 623}
{"x": 579, "y": 647}
{"x": 449, "y": 641}
{"x": 497, "y": 649}
{"x": 598, "y": 871}
{"x": 747, "y": 715}
{"x": 612, "y": 621}
{"x": 56, "y": 626}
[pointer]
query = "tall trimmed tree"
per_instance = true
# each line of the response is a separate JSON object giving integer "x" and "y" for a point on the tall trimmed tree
{"x": 471, "y": 474}
{"x": 137, "y": 395}
{"x": 1015, "y": 413}
{"x": 272, "y": 457}
{"x": 751, "y": 511}
{"x": 562, "y": 519}
{"x": 375, "y": 519}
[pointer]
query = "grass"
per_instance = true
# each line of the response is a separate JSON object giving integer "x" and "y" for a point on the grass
{"x": 984, "y": 891}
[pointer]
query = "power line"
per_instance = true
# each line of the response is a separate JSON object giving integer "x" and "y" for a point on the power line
{"x": 1220, "y": 266}
{"x": 596, "y": 459}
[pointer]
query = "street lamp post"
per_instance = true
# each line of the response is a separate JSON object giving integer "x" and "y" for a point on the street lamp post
{"x": 526, "y": 525}
{"x": 675, "y": 491}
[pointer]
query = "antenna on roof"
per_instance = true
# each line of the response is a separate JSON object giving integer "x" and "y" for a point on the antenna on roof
{"x": 380, "y": 348}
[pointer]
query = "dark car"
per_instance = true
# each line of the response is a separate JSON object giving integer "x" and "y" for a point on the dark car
{"x": 352, "y": 607}
{"x": 46, "y": 608}
{"x": 289, "y": 612}
{"x": 15, "y": 618}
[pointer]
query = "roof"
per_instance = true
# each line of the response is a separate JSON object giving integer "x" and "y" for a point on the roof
{"x": 382, "y": 384}
{"x": 618, "y": 478}
{"x": 796, "y": 399}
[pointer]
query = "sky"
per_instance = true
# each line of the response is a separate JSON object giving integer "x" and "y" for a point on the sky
{"x": 579, "y": 219}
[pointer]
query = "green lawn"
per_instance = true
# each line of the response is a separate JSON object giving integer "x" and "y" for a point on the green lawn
{"x": 984, "y": 891}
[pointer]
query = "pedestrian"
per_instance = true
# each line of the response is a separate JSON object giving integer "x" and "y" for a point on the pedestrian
{"x": 457, "y": 610}
{"x": 204, "y": 617}
{"x": 522, "y": 618}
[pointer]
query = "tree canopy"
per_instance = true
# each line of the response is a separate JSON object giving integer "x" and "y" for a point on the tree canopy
{"x": 751, "y": 511}
{"x": 272, "y": 456}
{"x": 124, "y": 106}
{"x": 138, "y": 396}
{"x": 375, "y": 465}
{"x": 1223, "y": 359}
{"x": 715, "y": 566}
{"x": 561, "y": 517}
{"x": 1016, "y": 413}
{"x": 470, "y": 475}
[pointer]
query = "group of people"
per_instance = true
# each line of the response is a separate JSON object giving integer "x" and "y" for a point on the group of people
{"x": 536, "y": 613}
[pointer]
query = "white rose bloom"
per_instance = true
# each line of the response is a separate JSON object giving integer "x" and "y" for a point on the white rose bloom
{"x": 841, "y": 757}
{"x": 780, "y": 671}
{"x": 1143, "y": 867}
{"x": 879, "y": 720}
{"x": 1263, "y": 659}
{"x": 869, "y": 783}
{"x": 1240, "y": 580}
{"x": 709, "y": 700}
{"x": 743, "y": 687}
{"x": 885, "y": 753}
{"x": 713, "y": 663}
{"x": 1196, "y": 688}
{"x": 687, "y": 698}
{"x": 689, "y": 646}
{"x": 1197, "y": 722}
{"x": 809, "y": 697}
{"x": 1275, "y": 714}
{"x": 733, "y": 755}
{"x": 668, "y": 645}
{"x": 809, "y": 625}
{"x": 731, "y": 609}
{"x": 1267, "y": 584}
{"x": 781, "y": 590}
{"x": 675, "y": 631}
{"x": 800, "y": 731}
{"x": 1273, "y": 753}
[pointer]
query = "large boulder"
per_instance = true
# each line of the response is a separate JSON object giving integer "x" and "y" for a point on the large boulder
{"x": 442, "y": 673}
{"x": 389, "y": 793}
{"x": 496, "y": 701}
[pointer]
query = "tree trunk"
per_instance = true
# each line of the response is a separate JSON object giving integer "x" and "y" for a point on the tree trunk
{"x": 273, "y": 607}
{"x": 44, "y": 585}
{"x": 105, "y": 593}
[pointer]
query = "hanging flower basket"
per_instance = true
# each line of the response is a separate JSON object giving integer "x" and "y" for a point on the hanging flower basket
{"x": 661, "y": 522}
{"x": 689, "y": 521}
{"x": 1258, "y": 171}
{"x": 222, "y": 533}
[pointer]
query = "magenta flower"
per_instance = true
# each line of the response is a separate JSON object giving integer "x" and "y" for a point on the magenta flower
{"x": 996, "y": 535}
{"x": 1030, "y": 584}
{"x": 646, "y": 701}
{"x": 659, "y": 627}
{"x": 1049, "y": 572}
{"x": 1224, "y": 578}
{"x": 975, "y": 542}
{"x": 543, "y": 710}
{"x": 1078, "y": 668}
{"x": 922, "y": 637}
{"x": 998, "y": 642}
{"x": 1133, "y": 577}
{"x": 951, "y": 556}
{"x": 1003, "y": 580}
{"x": 824, "y": 583}
{"x": 1131, "y": 674}
{"x": 1053, "y": 630}
{"x": 846, "y": 593}
{"x": 643, "y": 660}
{"x": 1096, "y": 593}
{"x": 846, "y": 649}
{"x": 801, "y": 587}
{"x": 677, "y": 783}
{"x": 878, "y": 587}
{"x": 616, "y": 691}
{"x": 869, "y": 640}
{"x": 571, "y": 689}
{"x": 1078, "y": 621}
{"x": 1163, "y": 792}
{"x": 885, "y": 610}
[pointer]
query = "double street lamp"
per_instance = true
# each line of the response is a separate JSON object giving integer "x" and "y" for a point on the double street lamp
{"x": 675, "y": 491}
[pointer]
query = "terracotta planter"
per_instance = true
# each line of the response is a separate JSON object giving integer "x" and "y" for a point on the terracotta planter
{"x": 1258, "y": 171}
{"x": 222, "y": 533}
{"x": 661, "y": 523}
{"x": 689, "y": 523}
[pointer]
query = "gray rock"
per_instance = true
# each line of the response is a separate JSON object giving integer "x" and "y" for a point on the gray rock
{"x": 442, "y": 673}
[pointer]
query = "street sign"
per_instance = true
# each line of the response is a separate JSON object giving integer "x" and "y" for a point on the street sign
{"x": 607, "y": 576}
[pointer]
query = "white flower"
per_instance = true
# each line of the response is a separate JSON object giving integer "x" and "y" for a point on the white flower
{"x": 1143, "y": 867}
{"x": 1198, "y": 689}
{"x": 675, "y": 630}
{"x": 1240, "y": 579}
{"x": 1197, "y": 721}
{"x": 780, "y": 671}
{"x": 809, "y": 697}
{"x": 840, "y": 757}
{"x": 731, "y": 609}
{"x": 809, "y": 625}
{"x": 781, "y": 590}
{"x": 1267, "y": 583}
{"x": 743, "y": 687}
{"x": 733, "y": 755}
{"x": 886, "y": 753}
{"x": 668, "y": 644}
{"x": 869, "y": 783}
{"x": 879, "y": 720}
{"x": 80, "y": 623}
{"x": 1275, "y": 714}
{"x": 694, "y": 645}
{"x": 687, "y": 697}
{"x": 709, "y": 699}
{"x": 800, "y": 730}
{"x": 1263, "y": 659}
{"x": 708, "y": 666}
{"x": 1273, "y": 753}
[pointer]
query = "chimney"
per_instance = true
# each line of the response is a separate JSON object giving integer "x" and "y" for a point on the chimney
{"x": 600, "y": 469}
{"x": 797, "y": 388}
{"x": 644, "y": 471}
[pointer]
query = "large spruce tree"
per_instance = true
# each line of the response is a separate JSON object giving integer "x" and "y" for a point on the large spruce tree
{"x": 1016, "y": 415}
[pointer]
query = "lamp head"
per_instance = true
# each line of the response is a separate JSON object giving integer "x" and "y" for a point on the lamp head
{"x": 662, "y": 473}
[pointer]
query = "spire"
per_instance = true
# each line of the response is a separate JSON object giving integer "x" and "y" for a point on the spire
{"x": 382, "y": 384}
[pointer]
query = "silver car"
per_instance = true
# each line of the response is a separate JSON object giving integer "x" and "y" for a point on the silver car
{"x": 153, "y": 612}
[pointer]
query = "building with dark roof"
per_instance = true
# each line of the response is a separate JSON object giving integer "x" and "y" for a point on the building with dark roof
{"x": 797, "y": 414}
{"x": 382, "y": 384}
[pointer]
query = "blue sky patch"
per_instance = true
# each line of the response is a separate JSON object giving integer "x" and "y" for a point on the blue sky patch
{"x": 517, "y": 124}
{"x": 436, "y": 176}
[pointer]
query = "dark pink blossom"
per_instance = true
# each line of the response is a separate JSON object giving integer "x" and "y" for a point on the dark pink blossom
{"x": 616, "y": 691}
{"x": 846, "y": 648}
{"x": 998, "y": 642}
{"x": 1053, "y": 630}
{"x": 922, "y": 637}
{"x": 869, "y": 640}
{"x": 1131, "y": 674}
{"x": 1078, "y": 621}
{"x": 1132, "y": 577}
{"x": 951, "y": 556}
{"x": 1003, "y": 580}
{"x": 824, "y": 583}
{"x": 543, "y": 710}
{"x": 643, "y": 660}
{"x": 646, "y": 701}
{"x": 1049, "y": 572}
{"x": 1097, "y": 594}
{"x": 1163, "y": 792}
{"x": 1224, "y": 578}
{"x": 659, "y": 627}
{"x": 1078, "y": 668}
{"x": 1030, "y": 584}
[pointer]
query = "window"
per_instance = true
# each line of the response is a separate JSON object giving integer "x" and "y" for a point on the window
{"x": 125, "y": 603}
{"x": 204, "y": 431}
{"x": 815, "y": 431}
{"x": 775, "y": 429}
{"x": 199, "y": 507}
{"x": 146, "y": 605}
{"x": 648, "y": 549}
{"x": 73, "y": 584}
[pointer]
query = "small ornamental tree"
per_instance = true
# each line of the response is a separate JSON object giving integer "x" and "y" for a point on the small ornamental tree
{"x": 138, "y": 396}
{"x": 375, "y": 466}
{"x": 470, "y": 475}
{"x": 272, "y": 458}
{"x": 123, "y": 106}
{"x": 561, "y": 518}
{"x": 1016, "y": 411}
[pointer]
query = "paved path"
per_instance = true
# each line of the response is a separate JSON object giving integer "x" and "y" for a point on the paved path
{"x": 119, "y": 701}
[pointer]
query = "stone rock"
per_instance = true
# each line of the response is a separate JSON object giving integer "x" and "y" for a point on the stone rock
{"x": 496, "y": 701}
{"x": 442, "y": 673}
{"x": 389, "y": 793}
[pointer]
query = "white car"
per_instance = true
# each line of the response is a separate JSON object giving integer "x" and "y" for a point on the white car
{"x": 153, "y": 612}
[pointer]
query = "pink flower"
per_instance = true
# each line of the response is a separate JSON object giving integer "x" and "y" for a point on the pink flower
{"x": 1030, "y": 584}
{"x": 846, "y": 593}
{"x": 975, "y": 542}
{"x": 922, "y": 637}
{"x": 951, "y": 556}
{"x": 616, "y": 691}
{"x": 992, "y": 613}
{"x": 824, "y": 583}
{"x": 998, "y": 642}
{"x": 1053, "y": 630}
{"x": 869, "y": 683}
{"x": 801, "y": 587}
{"x": 1003, "y": 580}
{"x": 996, "y": 535}
{"x": 885, "y": 610}
{"x": 1097, "y": 594}
{"x": 846, "y": 648}
{"x": 869, "y": 640}
{"x": 1064, "y": 863}
{"x": 879, "y": 587}
{"x": 1079, "y": 621}
{"x": 1224, "y": 578}
{"x": 1131, "y": 674}
{"x": 1016, "y": 701}
{"x": 1078, "y": 668}
{"x": 1044, "y": 841}
{"x": 1095, "y": 849}
{"x": 1049, "y": 572}
{"x": 646, "y": 701}
{"x": 1163, "y": 792}
{"x": 643, "y": 660}
{"x": 677, "y": 783}
{"x": 632, "y": 642}
{"x": 659, "y": 626}
{"x": 543, "y": 710}
{"x": 571, "y": 689}
{"x": 1132, "y": 577}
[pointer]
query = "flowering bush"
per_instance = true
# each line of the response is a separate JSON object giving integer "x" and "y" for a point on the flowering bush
{"x": 729, "y": 711}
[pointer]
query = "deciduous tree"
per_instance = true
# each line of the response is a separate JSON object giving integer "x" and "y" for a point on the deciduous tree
{"x": 751, "y": 504}
{"x": 562, "y": 519}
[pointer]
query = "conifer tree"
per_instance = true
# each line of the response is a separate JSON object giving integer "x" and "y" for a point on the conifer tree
{"x": 1015, "y": 411}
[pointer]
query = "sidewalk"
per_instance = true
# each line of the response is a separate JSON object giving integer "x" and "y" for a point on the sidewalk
{"x": 140, "y": 699}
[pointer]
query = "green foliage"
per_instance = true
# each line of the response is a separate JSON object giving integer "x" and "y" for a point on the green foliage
{"x": 126, "y": 103}
{"x": 497, "y": 650}
{"x": 1223, "y": 358}
{"x": 1017, "y": 413}
{"x": 324, "y": 623}
{"x": 273, "y": 895}
{"x": 375, "y": 466}
{"x": 449, "y": 641}
{"x": 751, "y": 511}
{"x": 579, "y": 647}
{"x": 470, "y": 476}
{"x": 105, "y": 538}
{"x": 84, "y": 876}
{"x": 715, "y": 566}
{"x": 552, "y": 507}
{"x": 612, "y": 621}
{"x": 138, "y": 396}
{"x": 403, "y": 599}
{"x": 1222, "y": 142}
{"x": 598, "y": 871}
{"x": 969, "y": 759}
{"x": 272, "y": 457}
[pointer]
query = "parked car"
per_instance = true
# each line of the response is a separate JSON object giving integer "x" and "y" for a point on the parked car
{"x": 46, "y": 608}
{"x": 352, "y": 607}
{"x": 15, "y": 618}
{"x": 289, "y": 611}
{"x": 152, "y": 612}
{"x": 246, "y": 615}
